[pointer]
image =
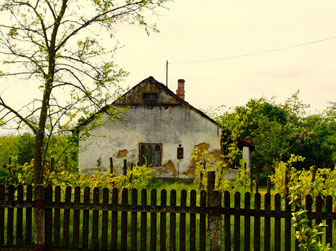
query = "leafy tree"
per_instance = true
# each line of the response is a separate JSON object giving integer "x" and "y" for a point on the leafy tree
{"x": 57, "y": 46}
{"x": 279, "y": 130}
{"x": 25, "y": 149}
{"x": 8, "y": 148}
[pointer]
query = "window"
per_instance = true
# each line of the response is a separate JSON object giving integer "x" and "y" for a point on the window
{"x": 150, "y": 154}
{"x": 150, "y": 97}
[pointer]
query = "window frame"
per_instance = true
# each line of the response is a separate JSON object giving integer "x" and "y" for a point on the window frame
{"x": 153, "y": 145}
{"x": 152, "y": 97}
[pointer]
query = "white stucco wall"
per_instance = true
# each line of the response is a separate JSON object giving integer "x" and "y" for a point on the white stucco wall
{"x": 168, "y": 125}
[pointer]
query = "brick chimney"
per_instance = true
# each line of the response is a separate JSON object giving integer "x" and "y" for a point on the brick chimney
{"x": 180, "y": 88}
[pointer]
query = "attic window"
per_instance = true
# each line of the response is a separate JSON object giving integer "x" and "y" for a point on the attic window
{"x": 150, "y": 97}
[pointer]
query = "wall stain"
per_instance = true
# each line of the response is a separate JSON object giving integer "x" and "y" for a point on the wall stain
{"x": 201, "y": 147}
{"x": 122, "y": 153}
{"x": 165, "y": 169}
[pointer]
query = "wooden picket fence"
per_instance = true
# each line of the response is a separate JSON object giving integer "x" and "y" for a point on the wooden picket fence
{"x": 99, "y": 219}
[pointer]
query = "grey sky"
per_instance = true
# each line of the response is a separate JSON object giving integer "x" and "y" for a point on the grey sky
{"x": 196, "y": 30}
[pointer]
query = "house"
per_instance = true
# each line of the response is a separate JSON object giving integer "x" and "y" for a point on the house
{"x": 159, "y": 129}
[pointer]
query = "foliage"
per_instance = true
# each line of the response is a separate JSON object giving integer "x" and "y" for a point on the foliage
{"x": 21, "y": 148}
{"x": 322, "y": 183}
{"x": 8, "y": 148}
{"x": 205, "y": 161}
{"x": 57, "y": 48}
{"x": 25, "y": 148}
{"x": 279, "y": 130}
{"x": 16, "y": 174}
{"x": 309, "y": 238}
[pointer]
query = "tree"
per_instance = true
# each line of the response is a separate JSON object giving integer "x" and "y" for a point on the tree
{"x": 57, "y": 46}
{"x": 25, "y": 148}
{"x": 280, "y": 130}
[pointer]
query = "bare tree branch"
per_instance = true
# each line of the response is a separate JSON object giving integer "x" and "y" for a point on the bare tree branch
{"x": 2, "y": 103}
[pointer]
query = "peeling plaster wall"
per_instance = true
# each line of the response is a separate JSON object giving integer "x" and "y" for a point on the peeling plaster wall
{"x": 169, "y": 125}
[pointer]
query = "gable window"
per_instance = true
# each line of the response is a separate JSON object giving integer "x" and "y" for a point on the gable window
{"x": 150, "y": 97}
{"x": 150, "y": 154}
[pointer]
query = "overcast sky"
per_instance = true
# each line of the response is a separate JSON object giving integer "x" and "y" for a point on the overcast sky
{"x": 194, "y": 31}
{"x": 229, "y": 51}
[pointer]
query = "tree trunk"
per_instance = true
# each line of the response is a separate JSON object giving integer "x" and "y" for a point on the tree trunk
{"x": 39, "y": 136}
{"x": 38, "y": 157}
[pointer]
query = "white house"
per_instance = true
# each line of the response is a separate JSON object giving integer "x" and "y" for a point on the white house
{"x": 159, "y": 128}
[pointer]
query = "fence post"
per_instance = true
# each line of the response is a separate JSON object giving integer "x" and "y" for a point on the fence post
{"x": 210, "y": 185}
{"x": 125, "y": 166}
{"x": 215, "y": 219}
{"x": 39, "y": 224}
{"x": 111, "y": 165}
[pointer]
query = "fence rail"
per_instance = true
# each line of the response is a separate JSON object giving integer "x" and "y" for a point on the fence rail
{"x": 100, "y": 219}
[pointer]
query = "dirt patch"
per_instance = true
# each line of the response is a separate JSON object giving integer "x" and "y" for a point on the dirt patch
{"x": 122, "y": 153}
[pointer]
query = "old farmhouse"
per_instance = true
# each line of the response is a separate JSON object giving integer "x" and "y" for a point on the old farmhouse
{"x": 159, "y": 128}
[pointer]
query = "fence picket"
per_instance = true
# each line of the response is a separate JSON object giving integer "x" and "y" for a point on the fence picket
{"x": 172, "y": 225}
{"x": 319, "y": 205}
{"x": 247, "y": 223}
{"x": 10, "y": 216}
{"x": 48, "y": 217}
{"x": 105, "y": 219}
{"x": 124, "y": 201}
{"x": 267, "y": 223}
{"x": 257, "y": 222}
{"x": 329, "y": 221}
{"x": 29, "y": 198}
{"x": 237, "y": 222}
{"x": 203, "y": 222}
{"x": 85, "y": 234}
{"x": 114, "y": 230}
{"x": 143, "y": 236}
{"x": 66, "y": 218}
{"x": 57, "y": 216}
{"x": 153, "y": 221}
{"x": 75, "y": 238}
{"x": 227, "y": 222}
{"x": 192, "y": 237}
{"x": 163, "y": 221}
{"x": 288, "y": 225}
{"x": 19, "y": 216}
{"x": 309, "y": 204}
{"x": 277, "y": 222}
{"x": 134, "y": 221}
{"x": 183, "y": 221}
{"x": 95, "y": 219}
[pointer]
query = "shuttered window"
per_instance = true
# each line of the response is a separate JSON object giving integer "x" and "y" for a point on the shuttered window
{"x": 150, "y": 154}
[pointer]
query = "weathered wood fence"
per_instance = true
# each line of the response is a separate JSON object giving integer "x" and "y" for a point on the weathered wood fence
{"x": 118, "y": 220}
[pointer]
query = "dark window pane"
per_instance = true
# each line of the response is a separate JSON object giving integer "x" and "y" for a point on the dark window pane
{"x": 150, "y": 96}
{"x": 157, "y": 155}
{"x": 150, "y": 159}
{"x": 143, "y": 154}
